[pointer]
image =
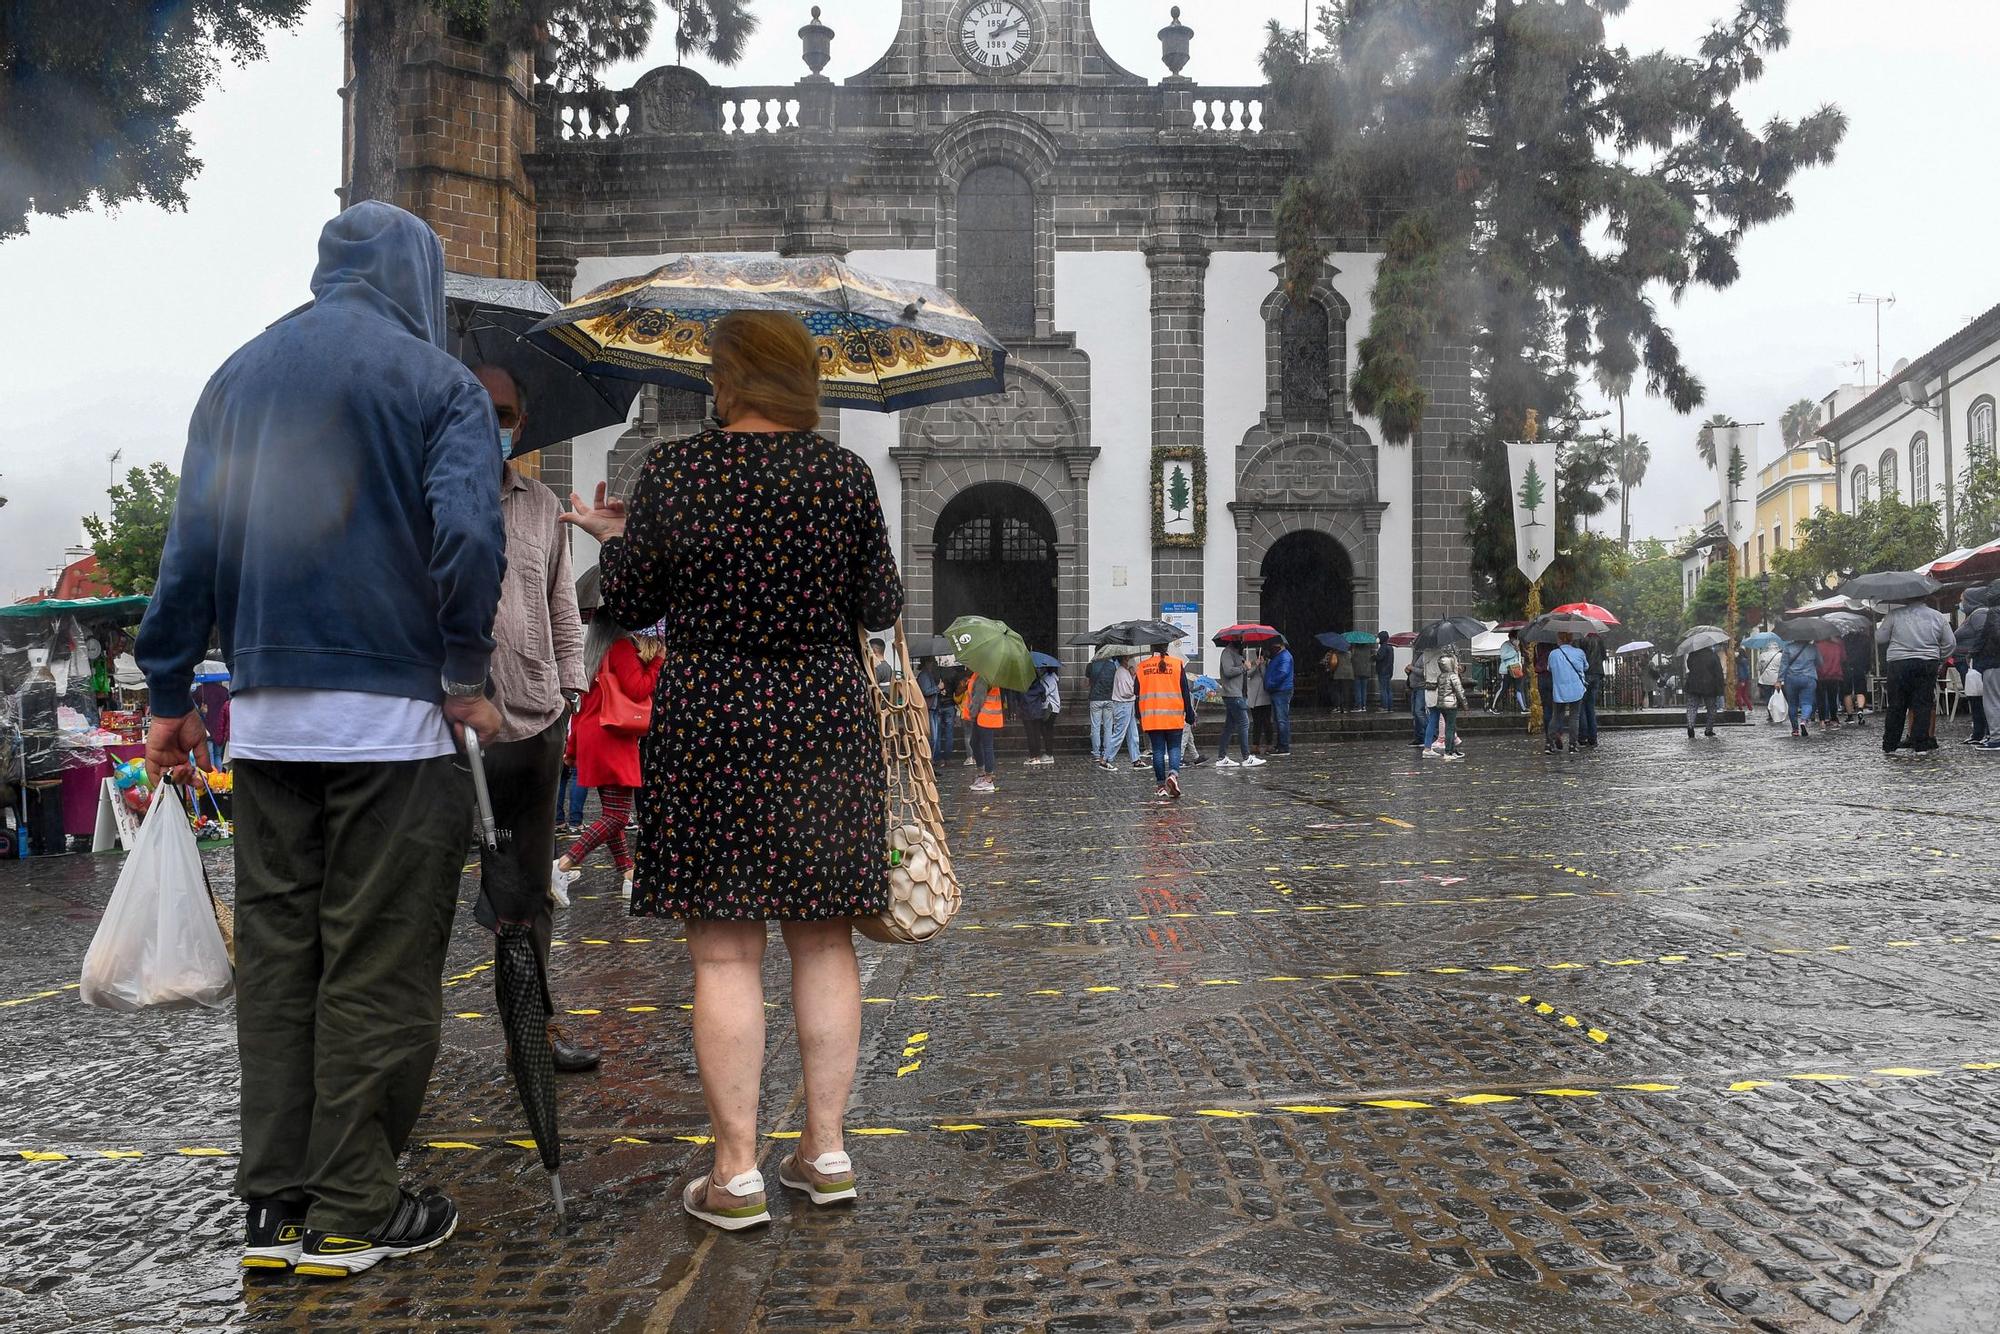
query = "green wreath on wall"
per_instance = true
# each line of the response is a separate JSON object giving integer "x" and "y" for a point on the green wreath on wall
{"x": 1181, "y": 489}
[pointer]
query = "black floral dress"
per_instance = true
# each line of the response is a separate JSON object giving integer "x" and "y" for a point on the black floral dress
{"x": 763, "y": 782}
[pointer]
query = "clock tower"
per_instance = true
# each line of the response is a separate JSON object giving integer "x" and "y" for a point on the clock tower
{"x": 996, "y": 42}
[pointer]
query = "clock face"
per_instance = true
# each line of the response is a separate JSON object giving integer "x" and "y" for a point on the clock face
{"x": 996, "y": 34}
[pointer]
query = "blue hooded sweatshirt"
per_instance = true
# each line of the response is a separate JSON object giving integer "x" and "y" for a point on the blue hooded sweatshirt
{"x": 339, "y": 510}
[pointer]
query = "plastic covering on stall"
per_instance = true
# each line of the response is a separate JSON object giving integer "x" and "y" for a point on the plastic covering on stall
{"x": 49, "y": 686}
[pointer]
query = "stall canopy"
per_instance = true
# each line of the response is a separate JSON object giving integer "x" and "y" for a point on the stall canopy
{"x": 124, "y": 610}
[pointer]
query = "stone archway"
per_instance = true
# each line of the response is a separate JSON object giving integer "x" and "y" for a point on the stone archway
{"x": 994, "y": 555}
{"x": 1306, "y": 588}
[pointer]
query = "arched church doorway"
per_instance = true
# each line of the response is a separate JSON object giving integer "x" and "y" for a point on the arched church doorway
{"x": 996, "y": 557}
{"x": 1308, "y": 589}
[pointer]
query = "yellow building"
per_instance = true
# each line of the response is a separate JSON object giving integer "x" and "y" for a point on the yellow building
{"x": 1790, "y": 489}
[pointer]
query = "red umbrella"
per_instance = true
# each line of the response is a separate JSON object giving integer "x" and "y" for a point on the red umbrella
{"x": 1246, "y": 632}
{"x": 1590, "y": 609}
{"x": 1974, "y": 563}
{"x": 1402, "y": 639}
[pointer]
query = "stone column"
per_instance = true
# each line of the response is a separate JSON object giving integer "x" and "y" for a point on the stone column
{"x": 1177, "y": 259}
{"x": 1441, "y": 476}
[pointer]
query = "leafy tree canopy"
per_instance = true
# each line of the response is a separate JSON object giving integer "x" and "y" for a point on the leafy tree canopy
{"x": 128, "y": 546}
{"x": 92, "y": 97}
{"x": 1883, "y": 534}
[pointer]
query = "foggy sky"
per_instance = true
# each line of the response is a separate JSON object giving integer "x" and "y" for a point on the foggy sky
{"x": 116, "y": 322}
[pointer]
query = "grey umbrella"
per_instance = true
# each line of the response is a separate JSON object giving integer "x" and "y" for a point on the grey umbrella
{"x": 1448, "y": 631}
{"x": 484, "y": 321}
{"x": 1142, "y": 632}
{"x": 1850, "y": 622}
{"x": 1544, "y": 628}
{"x": 590, "y": 589}
{"x": 1807, "y": 630}
{"x": 1699, "y": 638}
{"x": 1891, "y": 586}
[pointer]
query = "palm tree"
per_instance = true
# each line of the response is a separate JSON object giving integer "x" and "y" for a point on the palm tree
{"x": 718, "y": 29}
{"x": 1704, "y": 440}
{"x": 1634, "y": 455}
{"x": 1796, "y": 426}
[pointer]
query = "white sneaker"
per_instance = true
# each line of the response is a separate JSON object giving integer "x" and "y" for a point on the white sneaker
{"x": 1254, "y": 762}
{"x": 1226, "y": 763}
{"x": 970, "y": 761}
{"x": 625, "y": 889}
{"x": 559, "y": 883}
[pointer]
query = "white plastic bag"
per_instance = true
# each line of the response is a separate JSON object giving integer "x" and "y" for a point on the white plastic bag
{"x": 158, "y": 944}
{"x": 1780, "y": 711}
{"x": 1975, "y": 683}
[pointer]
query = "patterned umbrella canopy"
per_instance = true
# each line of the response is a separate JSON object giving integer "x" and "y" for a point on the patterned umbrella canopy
{"x": 884, "y": 344}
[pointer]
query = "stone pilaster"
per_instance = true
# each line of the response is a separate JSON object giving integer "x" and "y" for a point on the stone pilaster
{"x": 1442, "y": 471}
{"x": 1177, "y": 261}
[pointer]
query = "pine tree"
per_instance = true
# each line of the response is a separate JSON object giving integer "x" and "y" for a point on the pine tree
{"x": 1532, "y": 489}
{"x": 1179, "y": 493}
{"x": 1482, "y": 141}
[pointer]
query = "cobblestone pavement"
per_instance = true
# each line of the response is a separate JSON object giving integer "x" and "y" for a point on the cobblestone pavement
{"x": 1682, "y": 1032}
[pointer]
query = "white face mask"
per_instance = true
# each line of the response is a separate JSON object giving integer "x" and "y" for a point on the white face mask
{"x": 506, "y": 443}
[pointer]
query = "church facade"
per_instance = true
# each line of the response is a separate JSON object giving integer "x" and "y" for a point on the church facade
{"x": 1176, "y": 435}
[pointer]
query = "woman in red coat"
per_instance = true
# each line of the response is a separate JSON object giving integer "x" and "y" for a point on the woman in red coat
{"x": 608, "y": 760}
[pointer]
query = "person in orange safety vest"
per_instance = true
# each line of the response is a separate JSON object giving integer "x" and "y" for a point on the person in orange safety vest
{"x": 987, "y": 714}
{"x": 1165, "y": 709}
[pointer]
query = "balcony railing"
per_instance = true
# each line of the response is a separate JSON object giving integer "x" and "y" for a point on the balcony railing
{"x": 675, "y": 100}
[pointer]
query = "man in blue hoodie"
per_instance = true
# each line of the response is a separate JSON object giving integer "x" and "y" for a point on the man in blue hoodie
{"x": 1279, "y": 680}
{"x": 339, "y": 527}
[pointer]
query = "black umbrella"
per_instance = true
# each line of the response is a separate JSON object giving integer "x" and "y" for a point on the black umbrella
{"x": 1807, "y": 630}
{"x": 485, "y": 318}
{"x": 520, "y": 990}
{"x": 930, "y": 646}
{"x": 1891, "y": 586}
{"x": 590, "y": 589}
{"x": 1447, "y": 631}
{"x": 1698, "y": 638}
{"x": 1142, "y": 632}
{"x": 1088, "y": 639}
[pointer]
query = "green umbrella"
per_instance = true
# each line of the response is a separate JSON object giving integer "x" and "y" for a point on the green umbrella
{"x": 992, "y": 650}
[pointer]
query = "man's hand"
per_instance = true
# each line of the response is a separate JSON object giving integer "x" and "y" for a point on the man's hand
{"x": 603, "y": 520}
{"x": 169, "y": 741}
{"x": 476, "y": 712}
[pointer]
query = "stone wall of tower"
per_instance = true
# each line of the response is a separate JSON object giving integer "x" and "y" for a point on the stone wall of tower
{"x": 465, "y": 125}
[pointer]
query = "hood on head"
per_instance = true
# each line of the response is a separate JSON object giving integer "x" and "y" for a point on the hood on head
{"x": 387, "y": 259}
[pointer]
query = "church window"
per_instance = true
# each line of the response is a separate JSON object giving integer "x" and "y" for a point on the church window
{"x": 996, "y": 249}
{"x": 1885, "y": 475}
{"x": 1860, "y": 486}
{"x": 1920, "y": 469}
{"x": 1305, "y": 348}
{"x": 1979, "y": 429}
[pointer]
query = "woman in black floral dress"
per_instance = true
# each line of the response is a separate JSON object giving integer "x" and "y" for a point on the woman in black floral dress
{"x": 762, "y": 546}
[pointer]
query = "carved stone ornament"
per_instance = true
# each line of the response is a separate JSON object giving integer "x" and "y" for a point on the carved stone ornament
{"x": 673, "y": 99}
{"x": 1026, "y": 415}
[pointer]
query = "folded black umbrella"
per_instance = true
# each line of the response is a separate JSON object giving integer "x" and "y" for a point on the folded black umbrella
{"x": 520, "y": 991}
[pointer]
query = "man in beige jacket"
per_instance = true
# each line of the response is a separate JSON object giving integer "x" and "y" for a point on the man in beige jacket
{"x": 537, "y": 675}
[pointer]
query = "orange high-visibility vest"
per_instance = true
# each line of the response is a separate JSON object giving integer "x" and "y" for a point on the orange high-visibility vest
{"x": 1161, "y": 708}
{"x": 992, "y": 713}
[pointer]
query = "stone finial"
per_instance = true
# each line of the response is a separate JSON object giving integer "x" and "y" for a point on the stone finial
{"x": 1174, "y": 40}
{"x": 818, "y": 41}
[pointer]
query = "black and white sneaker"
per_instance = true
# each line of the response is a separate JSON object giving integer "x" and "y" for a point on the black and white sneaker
{"x": 419, "y": 1223}
{"x": 273, "y": 1231}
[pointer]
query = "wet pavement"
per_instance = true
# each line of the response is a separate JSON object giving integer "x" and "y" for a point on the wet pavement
{"x": 1677, "y": 1033}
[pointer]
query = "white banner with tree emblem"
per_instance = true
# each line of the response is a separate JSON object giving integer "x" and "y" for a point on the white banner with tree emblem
{"x": 1736, "y": 485}
{"x": 1177, "y": 497}
{"x": 1531, "y": 468}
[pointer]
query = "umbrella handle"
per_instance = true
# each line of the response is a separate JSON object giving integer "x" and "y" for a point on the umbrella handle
{"x": 489, "y": 834}
{"x": 556, "y": 1191}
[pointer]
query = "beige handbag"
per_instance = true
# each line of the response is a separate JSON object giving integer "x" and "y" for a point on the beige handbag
{"x": 923, "y": 888}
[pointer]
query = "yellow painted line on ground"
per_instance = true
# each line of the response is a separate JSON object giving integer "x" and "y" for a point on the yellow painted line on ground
{"x": 1595, "y": 1034}
{"x": 1084, "y": 1120}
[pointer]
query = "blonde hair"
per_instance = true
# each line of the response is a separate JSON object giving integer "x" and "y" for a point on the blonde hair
{"x": 765, "y": 361}
{"x": 651, "y": 647}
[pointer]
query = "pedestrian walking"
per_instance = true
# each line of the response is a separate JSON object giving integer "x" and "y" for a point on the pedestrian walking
{"x": 1832, "y": 681}
{"x": 1448, "y": 696}
{"x": 1798, "y": 671}
{"x": 1770, "y": 675}
{"x": 1917, "y": 639}
{"x": 339, "y": 529}
{"x": 1568, "y": 670}
{"x": 1040, "y": 705}
{"x": 1125, "y": 695}
{"x": 1279, "y": 681}
{"x": 536, "y": 628}
{"x": 1385, "y": 667}
{"x": 1593, "y": 689}
{"x": 1340, "y": 671}
{"x": 1164, "y": 711}
{"x": 1512, "y": 685}
{"x": 1419, "y": 688}
{"x": 623, "y": 670}
{"x": 985, "y": 715}
{"x": 763, "y": 547}
{"x": 930, "y": 684}
{"x": 1704, "y": 689}
{"x": 1984, "y": 664}
{"x": 1743, "y": 681}
{"x": 1102, "y": 675}
{"x": 1860, "y": 661}
{"x": 1543, "y": 683}
{"x": 1257, "y": 697}
{"x": 1231, "y": 673}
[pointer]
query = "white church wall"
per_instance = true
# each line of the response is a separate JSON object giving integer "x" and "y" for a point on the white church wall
{"x": 1105, "y": 297}
{"x": 870, "y": 434}
{"x": 1234, "y": 379}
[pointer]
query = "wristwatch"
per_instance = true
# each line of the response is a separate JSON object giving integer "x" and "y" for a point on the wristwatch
{"x": 462, "y": 689}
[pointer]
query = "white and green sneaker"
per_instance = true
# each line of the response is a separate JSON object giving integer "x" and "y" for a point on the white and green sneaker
{"x": 828, "y": 1179}
{"x": 731, "y": 1207}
